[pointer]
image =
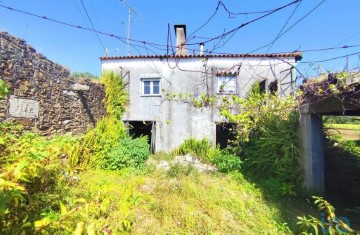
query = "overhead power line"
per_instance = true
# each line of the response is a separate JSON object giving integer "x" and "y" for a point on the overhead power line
{"x": 283, "y": 27}
{"x": 234, "y": 30}
{"x": 142, "y": 44}
{"x": 288, "y": 29}
{"x": 231, "y": 14}
{"x": 92, "y": 25}
{"x": 122, "y": 39}
{"x": 330, "y": 59}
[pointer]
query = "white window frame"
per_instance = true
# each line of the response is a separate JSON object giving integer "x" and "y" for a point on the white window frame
{"x": 151, "y": 80}
{"x": 226, "y": 88}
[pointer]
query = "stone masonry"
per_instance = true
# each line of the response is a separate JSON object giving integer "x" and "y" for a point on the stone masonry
{"x": 43, "y": 97}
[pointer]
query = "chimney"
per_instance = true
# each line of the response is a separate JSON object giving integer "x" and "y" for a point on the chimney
{"x": 201, "y": 49}
{"x": 180, "y": 32}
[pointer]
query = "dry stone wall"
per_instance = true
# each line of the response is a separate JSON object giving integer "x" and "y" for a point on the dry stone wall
{"x": 43, "y": 97}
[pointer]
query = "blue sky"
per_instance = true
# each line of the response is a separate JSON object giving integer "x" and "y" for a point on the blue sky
{"x": 334, "y": 23}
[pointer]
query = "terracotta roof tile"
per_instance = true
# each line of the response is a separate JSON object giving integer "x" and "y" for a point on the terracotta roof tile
{"x": 296, "y": 55}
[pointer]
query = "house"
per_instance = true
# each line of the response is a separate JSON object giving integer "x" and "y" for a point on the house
{"x": 163, "y": 89}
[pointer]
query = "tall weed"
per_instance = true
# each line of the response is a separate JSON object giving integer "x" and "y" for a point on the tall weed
{"x": 99, "y": 142}
{"x": 204, "y": 149}
{"x": 129, "y": 153}
{"x": 30, "y": 176}
{"x": 267, "y": 136}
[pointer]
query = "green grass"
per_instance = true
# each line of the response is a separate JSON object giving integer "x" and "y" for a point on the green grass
{"x": 189, "y": 202}
{"x": 343, "y": 126}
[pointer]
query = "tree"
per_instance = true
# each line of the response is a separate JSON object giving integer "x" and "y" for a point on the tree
{"x": 84, "y": 75}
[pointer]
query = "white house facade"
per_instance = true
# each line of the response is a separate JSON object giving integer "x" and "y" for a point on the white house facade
{"x": 152, "y": 81}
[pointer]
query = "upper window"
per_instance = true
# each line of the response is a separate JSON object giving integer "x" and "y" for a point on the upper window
{"x": 151, "y": 86}
{"x": 226, "y": 84}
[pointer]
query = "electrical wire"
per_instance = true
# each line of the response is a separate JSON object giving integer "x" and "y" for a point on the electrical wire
{"x": 293, "y": 25}
{"x": 142, "y": 44}
{"x": 92, "y": 25}
{"x": 330, "y": 59}
{"x": 283, "y": 27}
{"x": 245, "y": 24}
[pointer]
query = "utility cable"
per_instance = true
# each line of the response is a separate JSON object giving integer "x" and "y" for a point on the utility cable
{"x": 92, "y": 25}
{"x": 288, "y": 29}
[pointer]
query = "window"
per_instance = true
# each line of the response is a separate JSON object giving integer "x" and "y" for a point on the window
{"x": 227, "y": 84}
{"x": 151, "y": 86}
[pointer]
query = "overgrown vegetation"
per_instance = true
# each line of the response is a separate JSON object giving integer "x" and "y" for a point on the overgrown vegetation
{"x": 267, "y": 137}
{"x": 101, "y": 143}
{"x": 190, "y": 203}
{"x": 98, "y": 183}
{"x": 329, "y": 223}
{"x": 4, "y": 89}
{"x": 224, "y": 160}
{"x": 36, "y": 173}
{"x": 31, "y": 178}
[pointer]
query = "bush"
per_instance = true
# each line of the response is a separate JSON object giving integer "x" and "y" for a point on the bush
{"x": 195, "y": 147}
{"x": 267, "y": 137}
{"x": 100, "y": 141}
{"x": 129, "y": 153}
{"x": 223, "y": 159}
{"x": 227, "y": 162}
{"x": 31, "y": 179}
{"x": 276, "y": 151}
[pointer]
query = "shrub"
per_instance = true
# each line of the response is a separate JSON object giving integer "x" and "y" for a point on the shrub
{"x": 30, "y": 177}
{"x": 100, "y": 141}
{"x": 267, "y": 136}
{"x": 198, "y": 148}
{"x": 223, "y": 159}
{"x": 276, "y": 151}
{"x": 116, "y": 97}
{"x": 329, "y": 223}
{"x": 129, "y": 153}
{"x": 227, "y": 162}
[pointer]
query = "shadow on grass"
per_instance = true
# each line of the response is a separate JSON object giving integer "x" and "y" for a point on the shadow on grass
{"x": 342, "y": 190}
{"x": 290, "y": 207}
{"x": 342, "y": 178}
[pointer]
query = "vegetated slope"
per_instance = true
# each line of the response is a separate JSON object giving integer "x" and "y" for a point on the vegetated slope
{"x": 181, "y": 201}
{"x": 342, "y": 168}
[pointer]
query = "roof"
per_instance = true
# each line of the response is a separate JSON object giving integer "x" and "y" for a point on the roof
{"x": 296, "y": 55}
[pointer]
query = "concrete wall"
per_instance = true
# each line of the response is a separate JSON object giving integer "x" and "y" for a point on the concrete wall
{"x": 43, "y": 97}
{"x": 177, "y": 121}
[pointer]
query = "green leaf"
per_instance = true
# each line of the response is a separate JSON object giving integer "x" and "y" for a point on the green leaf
{"x": 79, "y": 228}
{"x": 39, "y": 224}
{"x": 91, "y": 229}
{"x": 63, "y": 210}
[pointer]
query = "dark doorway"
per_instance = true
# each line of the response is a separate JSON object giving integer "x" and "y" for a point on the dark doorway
{"x": 262, "y": 86}
{"x": 225, "y": 132}
{"x": 143, "y": 128}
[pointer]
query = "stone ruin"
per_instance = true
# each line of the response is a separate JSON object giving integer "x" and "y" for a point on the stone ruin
{"x": 43, "y": 97}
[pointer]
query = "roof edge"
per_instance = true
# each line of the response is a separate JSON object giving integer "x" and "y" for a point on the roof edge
{"x": 296, "y": 55}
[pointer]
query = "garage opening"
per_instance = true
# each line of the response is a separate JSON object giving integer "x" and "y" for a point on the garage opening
{"x": 143, "y": 128}
{"x": 225, "y": 133}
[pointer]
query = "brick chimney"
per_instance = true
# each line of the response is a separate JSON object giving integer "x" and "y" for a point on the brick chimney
{"x": 180, "y": 32}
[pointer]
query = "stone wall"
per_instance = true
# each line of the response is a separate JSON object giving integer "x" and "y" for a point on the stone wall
{"x": 43, "y": 97}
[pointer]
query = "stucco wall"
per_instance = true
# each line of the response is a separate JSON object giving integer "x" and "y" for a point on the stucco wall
{"x": 177, "y": 121}
{"x": 43, "y": 97}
